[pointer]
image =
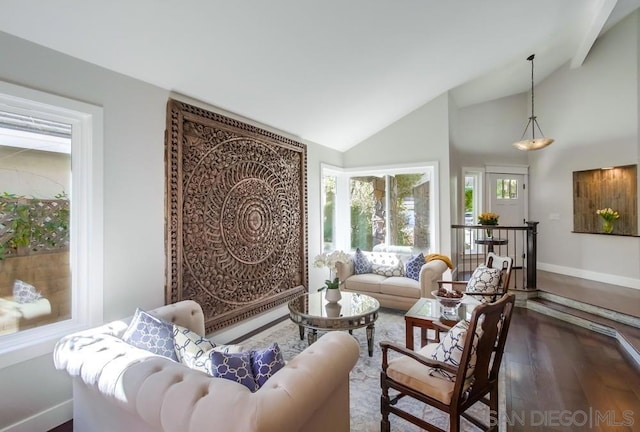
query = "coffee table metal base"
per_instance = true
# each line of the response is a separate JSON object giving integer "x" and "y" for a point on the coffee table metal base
{"x": 312, "y": 312}
{"x": 312, "y": 336}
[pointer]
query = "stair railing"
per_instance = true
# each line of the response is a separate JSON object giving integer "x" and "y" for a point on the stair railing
{"x": 471, "y": 243}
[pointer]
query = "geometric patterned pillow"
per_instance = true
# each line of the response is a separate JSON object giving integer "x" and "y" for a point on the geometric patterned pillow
{"x": 152, "y": 334}
{"x": 266, "y": 362}
{"x": 361, "y": 263}
{"x": 414, "y": 265}
{"x": 384, "y": 258}
{"x": 388, "y": 270}
{"x": 449, "y": 350}
{"x": 24, "y": 292}
{"x": 232, "y": 366}
{"x": 484, "y": 280}
{"x": 190, "y": 347}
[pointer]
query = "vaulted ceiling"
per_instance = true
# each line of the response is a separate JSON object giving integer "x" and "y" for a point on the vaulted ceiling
{"x": 333, "y": 71}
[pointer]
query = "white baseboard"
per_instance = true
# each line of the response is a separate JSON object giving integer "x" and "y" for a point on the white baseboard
{"x": 591, "y": 275}
{"x": 45, "y": 420}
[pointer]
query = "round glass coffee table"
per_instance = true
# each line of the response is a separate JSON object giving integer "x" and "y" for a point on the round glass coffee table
{"x": 353, "y": 311}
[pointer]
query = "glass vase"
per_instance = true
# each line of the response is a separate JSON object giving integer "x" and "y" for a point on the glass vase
{"x": 607, "y": 226}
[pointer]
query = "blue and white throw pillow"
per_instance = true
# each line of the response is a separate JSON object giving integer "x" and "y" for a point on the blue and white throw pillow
{"x": 414, "y": 265}
{"x": 249, "y": 368}
{"x": 484, "y": 280}
{"x": 151, "y": 333}
{"x": 361, "y": 263}
{"x": 266, "y": 362}
{"x": 449, "y": 350}
{"x": 191, "y": 348}
{"x": 233, "y": 366}
{"x": 24, "y": 292}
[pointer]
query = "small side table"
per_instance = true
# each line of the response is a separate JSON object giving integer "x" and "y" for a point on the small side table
{"x": 491, "y": 241}
{"x": 422, "y": 315}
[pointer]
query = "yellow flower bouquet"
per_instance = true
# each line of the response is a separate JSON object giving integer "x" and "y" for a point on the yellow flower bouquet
{"x": 488, "y": 218}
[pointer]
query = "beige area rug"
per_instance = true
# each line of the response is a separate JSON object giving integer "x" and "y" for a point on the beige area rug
{"x": 365, "y": 376}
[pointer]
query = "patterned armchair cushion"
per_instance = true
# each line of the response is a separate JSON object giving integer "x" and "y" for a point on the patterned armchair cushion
{"x": 24, "y": 292}
{"x": 484, "y": 280}
{"x": 449, "y": 350}
{"x": 151, "y": 333}
{"x": 361, "y": 263}
{"x": 414, "y": 265}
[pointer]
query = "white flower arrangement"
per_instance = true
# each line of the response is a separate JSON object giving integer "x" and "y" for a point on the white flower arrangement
{"x": 608, "y": 214}
{"x": 329, "y": 260}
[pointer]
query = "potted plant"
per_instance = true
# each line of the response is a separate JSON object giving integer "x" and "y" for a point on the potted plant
{"x": 329, "y": 260}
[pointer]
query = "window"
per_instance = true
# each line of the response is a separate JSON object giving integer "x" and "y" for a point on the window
{"x": 506, "y": 189}
{"x": 386, "y": 209}
{"x": 472, "y": 204}
{"x": 50, "y": 224}
{"x": 329, "y": 183}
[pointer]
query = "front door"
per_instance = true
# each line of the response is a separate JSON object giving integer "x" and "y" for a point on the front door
{"x": 507, "y": 197}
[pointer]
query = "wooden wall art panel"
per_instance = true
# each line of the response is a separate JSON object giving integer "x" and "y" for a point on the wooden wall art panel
{"x": 614, "y": 188}
{"x": 236, "y": 215}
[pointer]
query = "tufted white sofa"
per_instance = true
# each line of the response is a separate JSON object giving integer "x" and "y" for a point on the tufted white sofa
{"x": 396, "y": 292}
{"x": 117, "y": 387}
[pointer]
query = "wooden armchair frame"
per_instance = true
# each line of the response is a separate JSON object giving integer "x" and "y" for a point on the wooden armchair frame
{"x": 490, "y": 348}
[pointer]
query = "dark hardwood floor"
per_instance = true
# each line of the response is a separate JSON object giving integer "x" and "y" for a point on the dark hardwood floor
{"x": 560, "y": 377}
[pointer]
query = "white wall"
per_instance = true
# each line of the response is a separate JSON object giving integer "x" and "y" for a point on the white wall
{"x": 485, "y": 132}
{"x": 420, "y": 136}
{"x": 482, "y": 135}
{"x": 592, "y": 112}
{"x": 134, "y": 258}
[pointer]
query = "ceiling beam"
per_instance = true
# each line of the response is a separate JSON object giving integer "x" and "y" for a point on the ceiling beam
{"x": 602, "y": 12}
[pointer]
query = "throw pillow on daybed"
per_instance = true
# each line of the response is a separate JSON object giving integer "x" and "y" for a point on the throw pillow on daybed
{"x": 414, "y": 265}
{"x": 193, "y": 350}
{"x": 250, "y": 368}
{"x": 150, "y": 333}
{"x": 24, "y": 292}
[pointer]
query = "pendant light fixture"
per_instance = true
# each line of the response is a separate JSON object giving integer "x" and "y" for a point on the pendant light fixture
{"x": 533, "y": 143}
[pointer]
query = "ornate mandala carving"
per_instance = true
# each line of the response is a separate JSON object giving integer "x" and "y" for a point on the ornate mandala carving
{"x": 236, "y": 215}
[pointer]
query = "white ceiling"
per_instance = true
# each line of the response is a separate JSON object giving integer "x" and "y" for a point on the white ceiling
{"x": 330, "y": 71}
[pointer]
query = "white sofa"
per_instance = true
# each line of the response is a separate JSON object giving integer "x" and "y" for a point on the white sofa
{"x": 117, "y": 387}
{"x": 396, "y": 292}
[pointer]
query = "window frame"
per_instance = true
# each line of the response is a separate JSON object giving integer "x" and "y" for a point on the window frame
{"x": 342, "y": 202}
{"x": 86, "y": 248}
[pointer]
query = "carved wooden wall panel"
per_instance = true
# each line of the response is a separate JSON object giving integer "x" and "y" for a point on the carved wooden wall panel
{"x": 236, "y": 215}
